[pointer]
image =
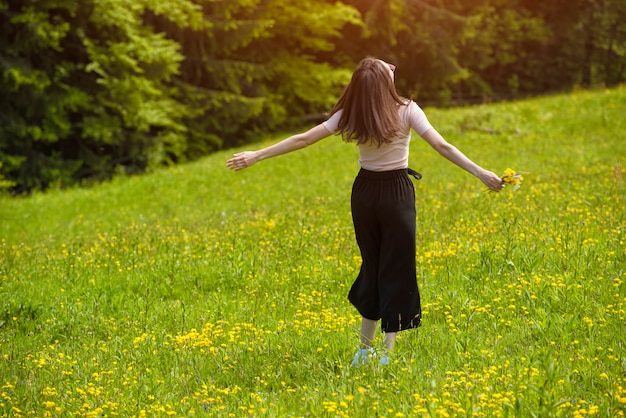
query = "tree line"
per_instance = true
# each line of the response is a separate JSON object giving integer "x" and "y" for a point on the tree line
{"x": 91, "y": 89}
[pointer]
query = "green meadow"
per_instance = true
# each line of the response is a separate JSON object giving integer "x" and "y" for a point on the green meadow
{"x": 199, "y": 291}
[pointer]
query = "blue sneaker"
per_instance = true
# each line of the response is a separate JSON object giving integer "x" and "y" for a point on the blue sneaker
{"x": 362, "y": 356}
{"x": 384, "y": 360}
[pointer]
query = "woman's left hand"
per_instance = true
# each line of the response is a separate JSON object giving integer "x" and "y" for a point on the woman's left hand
{"x": 242, "y": 160}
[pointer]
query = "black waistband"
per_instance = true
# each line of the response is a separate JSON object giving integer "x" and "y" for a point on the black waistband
{"x": 391, "y": 174}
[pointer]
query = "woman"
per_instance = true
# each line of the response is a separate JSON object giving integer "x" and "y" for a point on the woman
{"x": 370, "y": 113}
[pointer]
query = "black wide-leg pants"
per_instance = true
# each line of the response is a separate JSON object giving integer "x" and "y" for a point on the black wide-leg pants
{"x": 383, "y": 212}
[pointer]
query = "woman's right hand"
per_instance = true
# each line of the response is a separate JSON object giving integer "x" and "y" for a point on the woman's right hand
{"x": 491, "y": 180}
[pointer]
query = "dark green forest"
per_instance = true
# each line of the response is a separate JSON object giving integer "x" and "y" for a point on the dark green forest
{"x": 92, "y": 89}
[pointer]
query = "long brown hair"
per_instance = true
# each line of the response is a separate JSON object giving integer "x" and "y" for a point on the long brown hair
{"x": 370, "y": 105}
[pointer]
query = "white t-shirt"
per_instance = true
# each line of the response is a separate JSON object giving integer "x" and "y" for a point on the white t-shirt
{"x": 395, "y": 154}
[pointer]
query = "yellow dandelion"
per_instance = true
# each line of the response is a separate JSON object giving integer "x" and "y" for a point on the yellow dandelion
{"x": 512, "y": 178}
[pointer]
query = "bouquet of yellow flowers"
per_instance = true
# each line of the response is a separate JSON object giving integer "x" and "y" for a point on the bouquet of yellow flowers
{"x": 512, "y": 178}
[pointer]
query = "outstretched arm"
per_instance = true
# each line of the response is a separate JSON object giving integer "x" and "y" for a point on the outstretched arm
{"x": 245, "y": 159}
{"x": 449, "y": 151}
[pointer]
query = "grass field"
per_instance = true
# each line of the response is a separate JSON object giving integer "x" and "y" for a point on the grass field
{"x": 199, "y": 291}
